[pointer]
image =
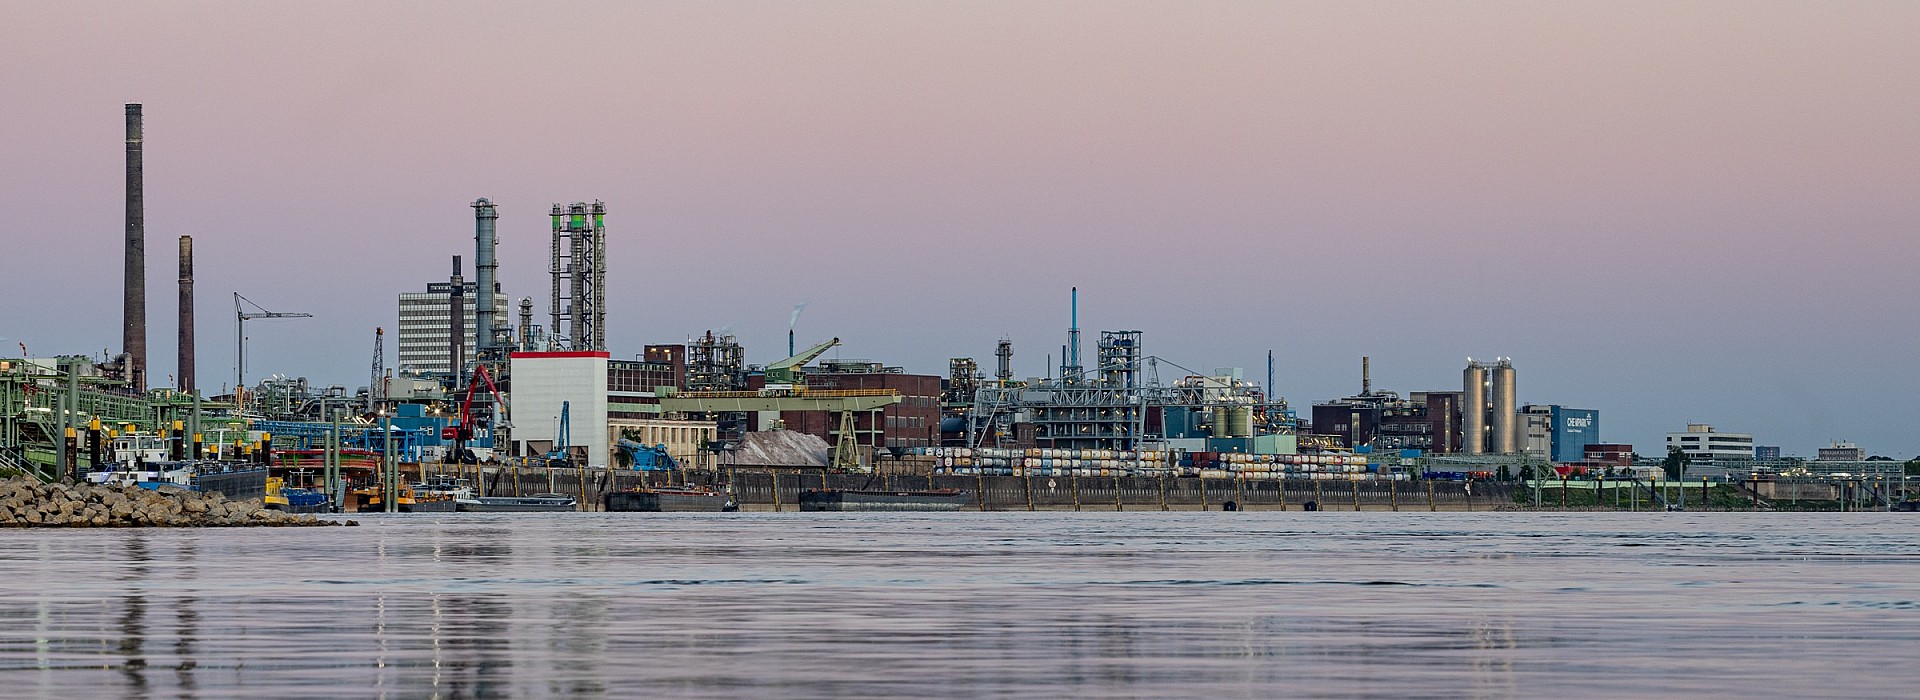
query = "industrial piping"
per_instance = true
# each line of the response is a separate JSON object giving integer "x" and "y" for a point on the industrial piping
{"x": 484, "y": 265}
{"x": 133, "y": 339}
{"x": 184, "y": 370}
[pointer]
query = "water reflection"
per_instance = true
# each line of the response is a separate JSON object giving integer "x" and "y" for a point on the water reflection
{"x": 133, "y": 615}
{"x": 1022, "y": 605}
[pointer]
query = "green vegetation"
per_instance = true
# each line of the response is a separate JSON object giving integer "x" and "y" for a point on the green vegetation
{"x": 1676, "y": 464}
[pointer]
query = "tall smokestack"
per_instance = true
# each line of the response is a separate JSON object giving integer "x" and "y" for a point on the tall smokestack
{"x": 133, "y": 339}
{"x": 1366, "y": 376}
{"x": 484, "y": 243}
{"x": 185, "y": 367}
{"x": 456, "y": 324}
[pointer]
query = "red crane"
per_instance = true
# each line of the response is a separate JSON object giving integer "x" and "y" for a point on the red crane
{"x": 462, "y": 431}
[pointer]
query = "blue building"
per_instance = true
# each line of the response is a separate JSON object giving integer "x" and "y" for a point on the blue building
{"x": 1573, "y": 429}
{"x": 1558, "y": 433}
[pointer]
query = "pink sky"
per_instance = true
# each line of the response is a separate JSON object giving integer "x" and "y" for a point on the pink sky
{"x": 1667, "y": 211}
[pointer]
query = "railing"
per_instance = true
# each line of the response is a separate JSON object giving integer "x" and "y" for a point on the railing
{"x": 9, "y": 460}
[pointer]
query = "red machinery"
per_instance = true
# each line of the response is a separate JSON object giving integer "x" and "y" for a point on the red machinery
{"x": 462, "y": 431}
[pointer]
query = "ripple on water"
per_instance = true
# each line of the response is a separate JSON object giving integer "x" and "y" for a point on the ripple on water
{"x": 1014, "y": 605}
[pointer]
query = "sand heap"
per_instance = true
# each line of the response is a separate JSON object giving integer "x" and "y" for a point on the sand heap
{"x": 26, "y": 503}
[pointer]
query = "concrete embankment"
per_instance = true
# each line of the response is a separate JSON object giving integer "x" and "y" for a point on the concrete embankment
{"x": 780, "y": 490}
{"x": 25, "y": 503}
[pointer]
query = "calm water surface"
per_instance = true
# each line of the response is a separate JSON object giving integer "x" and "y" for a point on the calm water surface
{"x": 970, "y": 604}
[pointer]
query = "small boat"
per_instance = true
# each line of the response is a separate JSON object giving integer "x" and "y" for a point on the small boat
{"x": 408, "y": 502}
{"x": 537, "y": 503}
{"x": 294, "y": 499}
{"x": 837, "y": 500}
{"x": 670, "y": 499}
{"x": 148, "y": 475}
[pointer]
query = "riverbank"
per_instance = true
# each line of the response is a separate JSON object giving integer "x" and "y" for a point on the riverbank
{"x": 26, "y": 503}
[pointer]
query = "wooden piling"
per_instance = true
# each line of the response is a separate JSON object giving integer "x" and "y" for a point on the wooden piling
{"x": 1431, "y": 507}
{"x": 1116, "y": 494}
{"x": 1356, "y": 494}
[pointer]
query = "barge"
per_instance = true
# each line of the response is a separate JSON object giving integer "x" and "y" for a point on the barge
{"x": 670, "y": 500}
{"x": 836, "y": 500}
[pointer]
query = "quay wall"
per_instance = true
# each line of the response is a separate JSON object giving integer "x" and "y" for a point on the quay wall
{"x": 780, "y": 490}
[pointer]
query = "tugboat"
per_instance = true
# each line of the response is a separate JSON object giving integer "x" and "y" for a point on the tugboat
{"x": 836, "y": 500}
{"x": 293, "y": 499}
{"x": 408, "y": 502}
{"x": 670, "y": 499}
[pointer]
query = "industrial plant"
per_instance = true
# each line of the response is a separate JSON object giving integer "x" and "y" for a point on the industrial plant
{"x": 472, "y": 387}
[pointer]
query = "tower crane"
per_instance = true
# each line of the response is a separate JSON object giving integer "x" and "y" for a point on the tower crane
{"x": 241, "y": 315}
{"x": 376, "y": 388}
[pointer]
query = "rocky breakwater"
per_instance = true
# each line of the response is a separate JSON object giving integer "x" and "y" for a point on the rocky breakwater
{"x": 26, "y": 503}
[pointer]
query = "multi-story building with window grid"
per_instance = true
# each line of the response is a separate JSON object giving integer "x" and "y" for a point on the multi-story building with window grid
{"x": 426, "y": 324}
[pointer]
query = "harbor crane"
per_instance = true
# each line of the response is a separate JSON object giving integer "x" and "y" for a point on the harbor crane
{"x": 241, "y": 315}
{"x": 784, "y": 376}
{"x": 463, "y": 431}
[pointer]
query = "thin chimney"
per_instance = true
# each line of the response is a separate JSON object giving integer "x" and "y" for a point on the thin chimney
{"x": 185, "y": 369}
{"x": 134, "y": 306}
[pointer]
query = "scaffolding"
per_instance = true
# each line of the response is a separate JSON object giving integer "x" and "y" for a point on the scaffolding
{"x": 716, "y": 363}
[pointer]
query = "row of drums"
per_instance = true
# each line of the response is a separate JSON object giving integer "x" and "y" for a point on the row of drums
{"x": 1039, "y": 453}
{"x": 1324, "y": 458}
{"x": 1061, "y": 471}
{"x": 1313, "y": 476}
{"x": 1049, "y": 463}
{"x": 1298, "y": 468}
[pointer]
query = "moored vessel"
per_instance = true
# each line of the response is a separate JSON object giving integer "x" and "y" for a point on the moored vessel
{"x": 537, "y": 503}
{"x": 670, "y": 499}
{"x": 836, "y": 500}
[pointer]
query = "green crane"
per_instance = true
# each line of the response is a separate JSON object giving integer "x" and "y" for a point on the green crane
{"x": 785, "y": 374}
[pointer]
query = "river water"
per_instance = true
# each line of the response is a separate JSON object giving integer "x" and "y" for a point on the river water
{"x": 1040, "y": 605}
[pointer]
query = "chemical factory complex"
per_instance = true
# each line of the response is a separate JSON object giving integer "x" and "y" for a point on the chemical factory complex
{"x": 479, "y": 377}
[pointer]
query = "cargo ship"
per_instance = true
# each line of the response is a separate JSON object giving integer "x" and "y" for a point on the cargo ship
{"x": 670, "y": 499}
{"x": 836, "y": 500}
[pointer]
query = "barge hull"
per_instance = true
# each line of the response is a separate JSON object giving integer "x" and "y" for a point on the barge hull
{"x": 884, "y": 501}
{"x": 642, "y": 502}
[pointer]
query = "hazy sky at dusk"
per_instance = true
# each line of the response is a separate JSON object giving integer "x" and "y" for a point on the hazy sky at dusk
{"x": 1667, "y": 211}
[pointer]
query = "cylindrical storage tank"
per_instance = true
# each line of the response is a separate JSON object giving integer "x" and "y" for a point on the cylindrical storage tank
{"x": 1506, "y": 407}
{"x": 1233, "y": 421}
{"x": 1473, "y": 409}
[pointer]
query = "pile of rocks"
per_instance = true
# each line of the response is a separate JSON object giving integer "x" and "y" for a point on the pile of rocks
{"x": 26, "y": 503}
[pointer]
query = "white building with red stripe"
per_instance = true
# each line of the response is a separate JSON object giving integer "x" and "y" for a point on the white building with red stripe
{"x": 542, "y": 382}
